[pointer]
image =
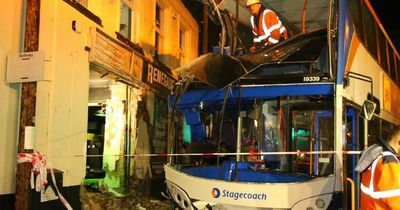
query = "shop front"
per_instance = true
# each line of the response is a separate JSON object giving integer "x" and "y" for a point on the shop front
{"x": 127, "y": 118}
{"x": 161, "y": 82}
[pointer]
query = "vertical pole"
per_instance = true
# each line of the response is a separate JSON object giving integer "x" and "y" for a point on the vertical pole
{"x": 339, "y": 165}
{"x": 28, "y": 104}
{"x": 238, "y": 137}
{"x": 365, "y": 122}
{"x": 238, "y": 145}
{"x": 205, "y": 30}
{"x": 338, "y": 136}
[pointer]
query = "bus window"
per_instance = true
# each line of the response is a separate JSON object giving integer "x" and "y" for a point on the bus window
{"x": 272, "y": 140}
{"x": 398, "y": 71}
{"x": 391, "y": 62}
{"x": 370, "y": 30}
{"x": 356, "y": 14}
{"x": 387, "y": 127}
{"x": 382, "y": 51}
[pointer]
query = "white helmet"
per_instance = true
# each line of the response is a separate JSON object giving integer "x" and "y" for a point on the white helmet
{"x": 251, "y": 2}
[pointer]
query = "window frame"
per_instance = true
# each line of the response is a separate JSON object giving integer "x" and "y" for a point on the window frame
{"x": 159, "y": 30}
{"x": 131, "y": 4}
{"x": 182, "y": 43}
{"x": 83, "y": 2}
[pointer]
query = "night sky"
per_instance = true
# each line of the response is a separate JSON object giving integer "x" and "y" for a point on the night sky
{"x": 386, "y": 10}
{"x": 388, "y": 13}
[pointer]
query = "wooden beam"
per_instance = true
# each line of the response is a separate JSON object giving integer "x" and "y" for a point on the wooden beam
{"x": 23, "y": 195}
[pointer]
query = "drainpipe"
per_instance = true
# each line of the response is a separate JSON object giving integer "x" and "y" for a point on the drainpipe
{"x": 23, "y": 195}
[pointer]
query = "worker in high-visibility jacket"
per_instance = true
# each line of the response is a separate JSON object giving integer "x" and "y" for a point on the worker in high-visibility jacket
{"x": 380, "y": 174}
{"x": 267, "y": 28}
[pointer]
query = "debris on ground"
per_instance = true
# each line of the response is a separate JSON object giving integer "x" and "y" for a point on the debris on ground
{"x": 97, "y": 200}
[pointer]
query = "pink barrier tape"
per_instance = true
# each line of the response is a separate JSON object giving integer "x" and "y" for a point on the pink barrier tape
{"x": 39, "y": 162}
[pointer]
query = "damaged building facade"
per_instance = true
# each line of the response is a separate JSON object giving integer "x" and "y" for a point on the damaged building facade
{"x": 106, "y": 72}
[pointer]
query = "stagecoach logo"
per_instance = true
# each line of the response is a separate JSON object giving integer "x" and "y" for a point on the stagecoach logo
{"x": 215, "y": 192}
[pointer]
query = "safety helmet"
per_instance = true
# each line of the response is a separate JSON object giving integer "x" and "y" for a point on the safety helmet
{"x": 251, "y": 2}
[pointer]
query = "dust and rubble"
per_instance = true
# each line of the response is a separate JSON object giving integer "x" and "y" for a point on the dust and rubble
{"x": 92, "y": 199}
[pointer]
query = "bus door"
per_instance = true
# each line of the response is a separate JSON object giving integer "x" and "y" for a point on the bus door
{"x": 351, "y": 143}
{"x": 324, "y": 129}
{"x": 312, "y": 130}
{"x": 323, "y": 163}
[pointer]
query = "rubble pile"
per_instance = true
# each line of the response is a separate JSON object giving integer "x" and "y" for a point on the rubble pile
{"x": 97, "y": 200}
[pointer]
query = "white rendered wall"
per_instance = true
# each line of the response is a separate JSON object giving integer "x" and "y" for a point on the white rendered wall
{"x": 61, "y": 109}
{"x": 10, "y": 23}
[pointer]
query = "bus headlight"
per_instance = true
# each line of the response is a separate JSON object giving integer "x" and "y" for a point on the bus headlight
{"x": 320, "y": 203}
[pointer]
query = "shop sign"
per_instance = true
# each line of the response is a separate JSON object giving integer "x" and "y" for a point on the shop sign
{"x": 158, "y": 78}
{"x": 25, "y": 67}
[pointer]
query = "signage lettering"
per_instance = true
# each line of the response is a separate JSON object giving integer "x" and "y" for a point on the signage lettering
{"x": 311, "y": 79}
{"x": 216, "y": 193}
{"x": 154, "y": 75}
{"x": 25, "y": 56}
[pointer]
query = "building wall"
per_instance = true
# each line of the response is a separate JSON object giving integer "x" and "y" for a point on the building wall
{"x": 175, "y": 15}
{"x": 61, "y": 109}
{"x": 10, "y": 23}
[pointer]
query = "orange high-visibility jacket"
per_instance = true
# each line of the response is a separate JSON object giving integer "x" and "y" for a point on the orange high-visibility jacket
{"x": 380, "y": 183}
{"x": 269, "y": 28}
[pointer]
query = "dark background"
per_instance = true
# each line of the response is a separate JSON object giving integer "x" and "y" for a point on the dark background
{"x": 386, "y": 10}
{"x": 389, "y": 15}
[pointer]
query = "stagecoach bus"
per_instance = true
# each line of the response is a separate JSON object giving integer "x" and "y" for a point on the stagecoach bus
{"x": 283, "y": 127}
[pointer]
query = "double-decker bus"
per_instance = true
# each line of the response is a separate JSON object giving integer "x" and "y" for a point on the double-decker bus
{"x": 282, "y": 128}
